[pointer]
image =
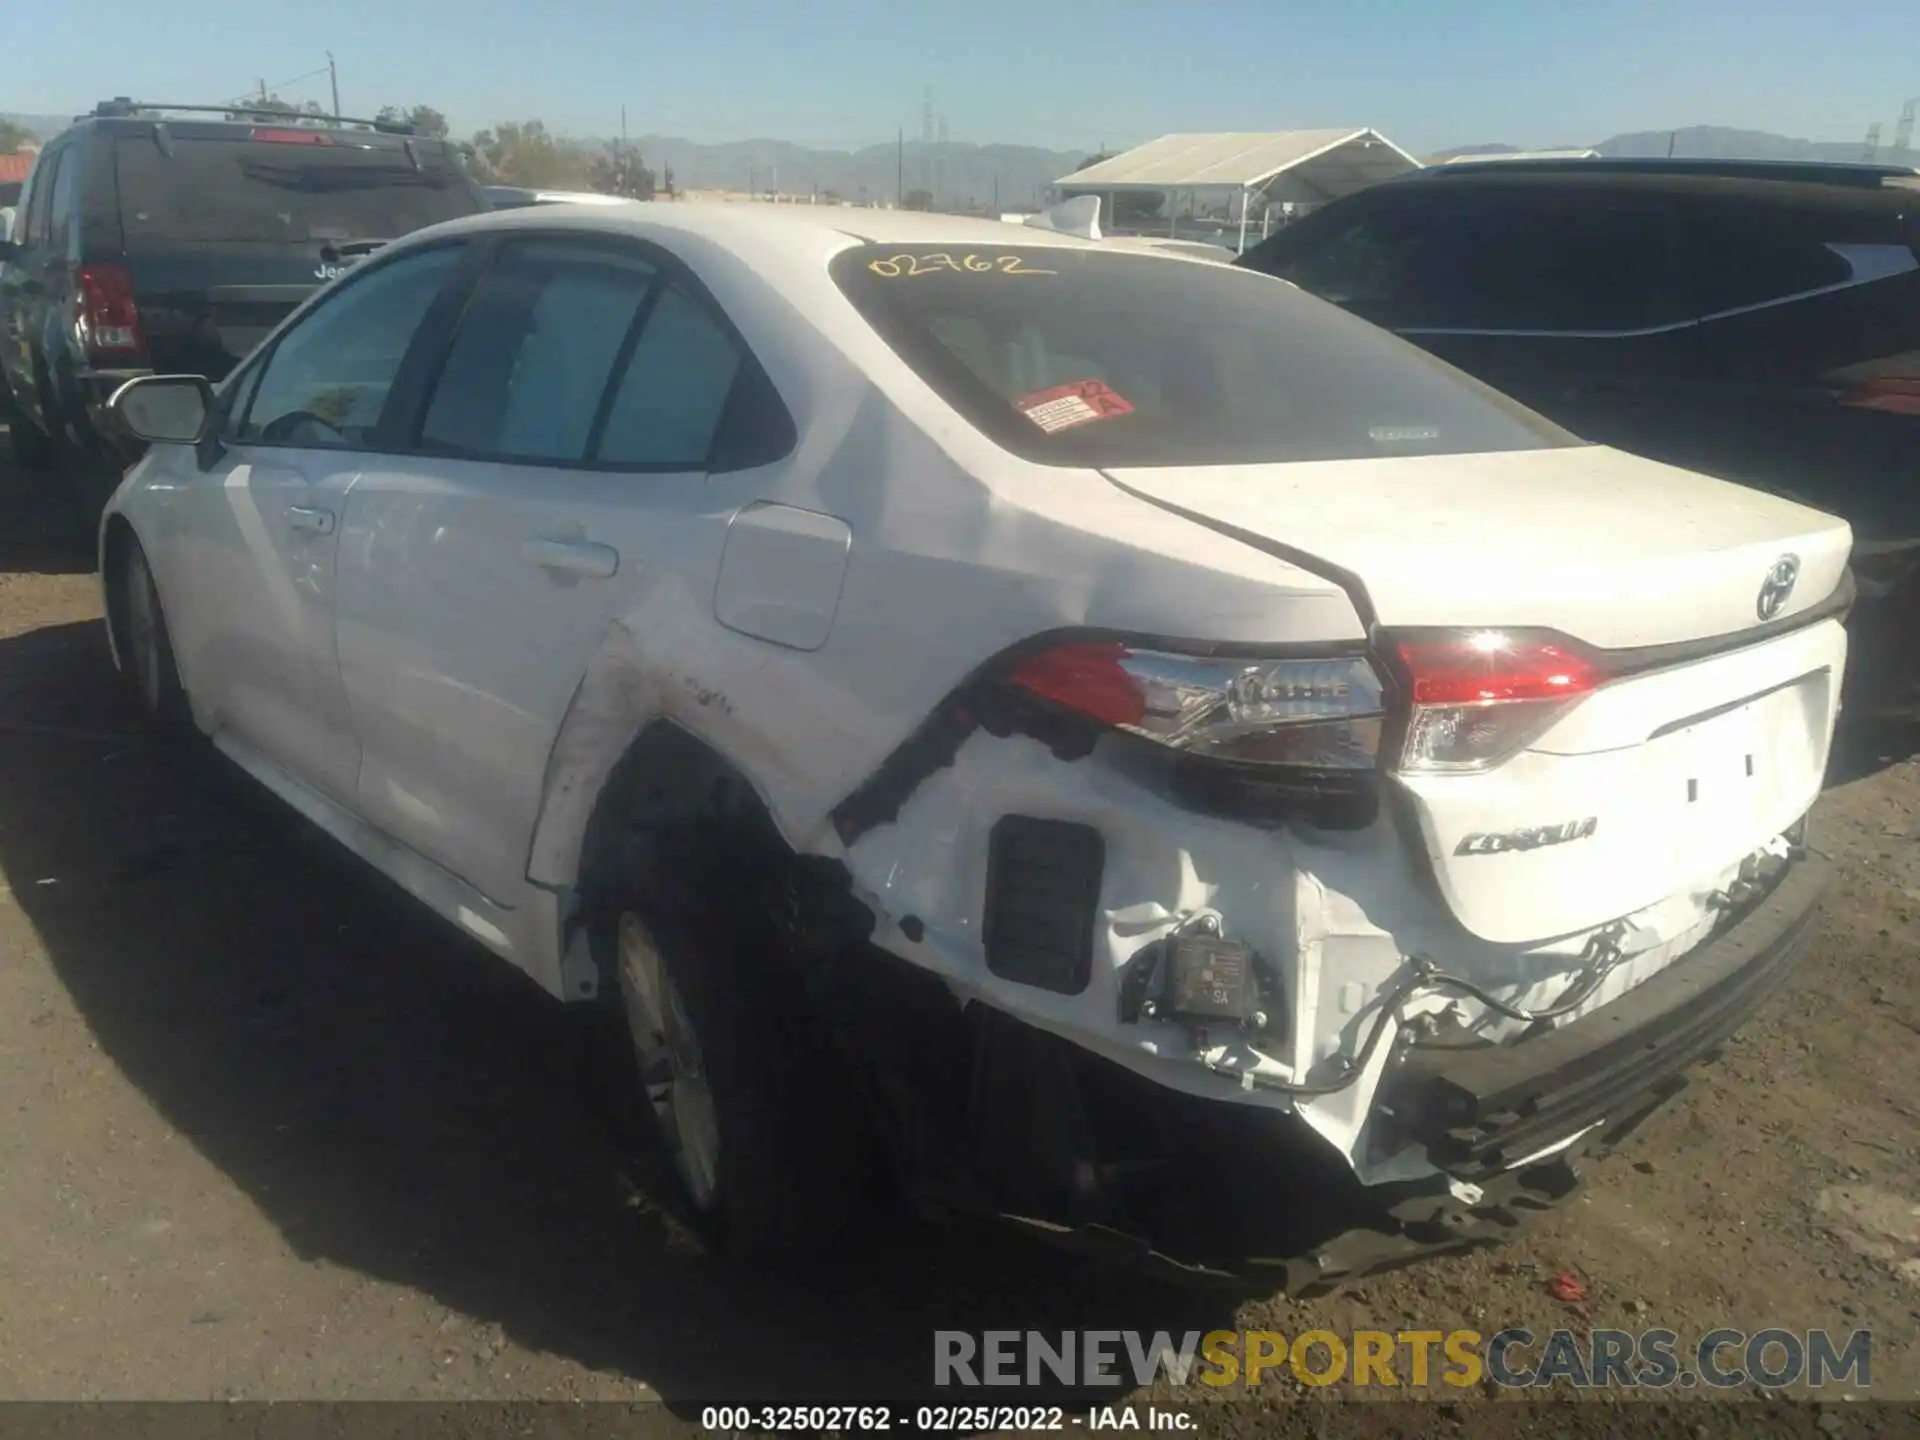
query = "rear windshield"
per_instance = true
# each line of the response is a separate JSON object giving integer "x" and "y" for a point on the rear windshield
{"x": 266, "y": 191}
{"x": 1086, "y": 357}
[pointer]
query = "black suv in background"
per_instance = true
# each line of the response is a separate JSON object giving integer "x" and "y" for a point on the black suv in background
{"x": 171, "y": 239}
{"x": 1755, "y": 321}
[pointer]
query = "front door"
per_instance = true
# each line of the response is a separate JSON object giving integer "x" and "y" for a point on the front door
{"x": 259, "y": 541}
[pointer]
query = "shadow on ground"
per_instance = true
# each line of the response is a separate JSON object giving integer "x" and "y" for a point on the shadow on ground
{"x": 397, "y": 1102}
{"x": 41, "y": 530}
{"x": 1861, "y": 751}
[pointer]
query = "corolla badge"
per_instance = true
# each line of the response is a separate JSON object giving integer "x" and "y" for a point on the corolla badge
{"x": 1505, "y": 842}
{"x": 1777, "y": 587}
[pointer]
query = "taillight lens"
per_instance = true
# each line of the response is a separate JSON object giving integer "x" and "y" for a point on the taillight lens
{"x": 1480, "y": 696}
{"x": 1894, "y": 394}
{"x": 106, "y": 321}
{"x": 1323, "y": 712}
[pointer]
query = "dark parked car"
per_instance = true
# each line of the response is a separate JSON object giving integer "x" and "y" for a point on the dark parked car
{"x": 171, "y": 239}
{"x": 1757, "y": 321}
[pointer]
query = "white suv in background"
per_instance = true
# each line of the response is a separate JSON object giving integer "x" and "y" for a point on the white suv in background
{"x": 1103, "y": 737}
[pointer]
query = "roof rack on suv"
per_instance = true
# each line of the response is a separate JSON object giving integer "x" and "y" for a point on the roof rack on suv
{"x": 1804, "y": 172}
{"x": 123, "y": 108}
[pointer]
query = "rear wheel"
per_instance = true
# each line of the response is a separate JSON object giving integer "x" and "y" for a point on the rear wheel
{"x": 748, "y": 1098}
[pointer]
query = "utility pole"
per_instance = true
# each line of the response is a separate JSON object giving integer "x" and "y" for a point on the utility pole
{"x": 263, "y": 91}
{"x": 333, "y": 78}
{"x": 900, "y": 172}
{"x": 1903, "y": 133}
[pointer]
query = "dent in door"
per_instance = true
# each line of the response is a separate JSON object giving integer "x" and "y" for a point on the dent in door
{"x": 780, "y": 575}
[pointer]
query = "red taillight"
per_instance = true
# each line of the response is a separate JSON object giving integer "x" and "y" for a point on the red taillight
{"x": 1319, "y": 711}
{"x": 1481, "y": 695}
{"x": 1893, "y": 394}
{"x": 1087, "y": 678}
{"x": 291, "y": 137}
{"x": 1488, "y": 666}
{"x": 107, "y": 321}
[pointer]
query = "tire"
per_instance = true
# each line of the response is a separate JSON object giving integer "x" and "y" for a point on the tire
{"x": 756, "y": 1109}
{"x": 146, "y": 646}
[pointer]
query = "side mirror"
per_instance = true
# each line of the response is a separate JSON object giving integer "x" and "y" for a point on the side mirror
{"x": 164, "y": 409}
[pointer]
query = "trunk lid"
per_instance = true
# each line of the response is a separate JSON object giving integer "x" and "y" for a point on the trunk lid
{"x": 1609, "y": 548}
{"x": 1678, "y": 765}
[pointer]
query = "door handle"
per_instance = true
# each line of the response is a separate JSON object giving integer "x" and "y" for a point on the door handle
{"x": 572, "y": 557}
{"x": 310, "y": 518}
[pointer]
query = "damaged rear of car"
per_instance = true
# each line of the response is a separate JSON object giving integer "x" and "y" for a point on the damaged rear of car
{"x": 1319, "y": 920}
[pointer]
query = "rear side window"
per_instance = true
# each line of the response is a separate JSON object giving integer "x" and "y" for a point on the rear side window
{"x": 534, "y": 353}
{"x": 45, "y": 175}
{"x": 1484, "y": 259}
{"x": 197, "y": 189}
{"x": 60, "y": 203}
{"x": 1091, "y": 357}
{"x": 670, "y": 400}
{"x": 571, "y": 354}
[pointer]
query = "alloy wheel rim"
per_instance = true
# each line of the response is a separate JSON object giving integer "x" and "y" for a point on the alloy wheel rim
{"x": 671, "y": 1065}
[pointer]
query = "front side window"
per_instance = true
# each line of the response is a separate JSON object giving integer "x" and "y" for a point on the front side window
{"x": 326, "y": 383}
{"x": 535, "y": 352}
{"x": 1093, "y": 357}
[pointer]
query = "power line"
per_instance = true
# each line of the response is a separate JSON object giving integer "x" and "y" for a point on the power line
{"x": 251, "y": 95}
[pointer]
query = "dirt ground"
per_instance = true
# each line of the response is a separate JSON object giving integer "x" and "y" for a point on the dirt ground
{"x": 269, "y": 1132}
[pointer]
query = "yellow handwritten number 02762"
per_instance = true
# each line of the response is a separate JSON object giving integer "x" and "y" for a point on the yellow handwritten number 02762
{"x": 908, "y": 265}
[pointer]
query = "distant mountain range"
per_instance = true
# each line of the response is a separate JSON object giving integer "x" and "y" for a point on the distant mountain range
{"x": 1712, "y": 142}
{"x": 1017, "y": 175}
{"x": 955, "y": 172}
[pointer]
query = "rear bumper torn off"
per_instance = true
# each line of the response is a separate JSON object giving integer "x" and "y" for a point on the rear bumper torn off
{"x": 1479, "y": 1111}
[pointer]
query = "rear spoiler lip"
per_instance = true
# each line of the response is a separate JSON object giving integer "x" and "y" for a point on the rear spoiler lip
{"x": 1619, "y": 663}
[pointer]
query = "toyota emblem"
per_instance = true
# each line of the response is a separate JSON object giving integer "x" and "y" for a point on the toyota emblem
{"x": 1778, "y": 586}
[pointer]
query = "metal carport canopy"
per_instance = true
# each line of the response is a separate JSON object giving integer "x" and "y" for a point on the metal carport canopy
{"x": 1333, "y": 162}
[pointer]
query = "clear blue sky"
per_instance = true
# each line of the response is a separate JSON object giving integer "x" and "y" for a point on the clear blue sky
{"x": 843, "y": 73}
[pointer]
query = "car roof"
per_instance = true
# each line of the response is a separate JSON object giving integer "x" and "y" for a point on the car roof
{"x": 764, "y": 231}
{"x": 1628, "y": 171}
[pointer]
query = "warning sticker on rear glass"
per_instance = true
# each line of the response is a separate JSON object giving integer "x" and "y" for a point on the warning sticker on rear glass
{"x": 1065, "y": 406}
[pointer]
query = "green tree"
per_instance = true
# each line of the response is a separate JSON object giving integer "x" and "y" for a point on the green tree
{"x": 424, "y": 119}
{"x": 521, "y": 152}
{"x": 13, "y": 136}
{"x": 917, "y": 200}
{"x": 618, "y": 170}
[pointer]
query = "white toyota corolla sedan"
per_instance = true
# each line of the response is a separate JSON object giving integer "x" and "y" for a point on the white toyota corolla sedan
{"x": 1099, "y": 736}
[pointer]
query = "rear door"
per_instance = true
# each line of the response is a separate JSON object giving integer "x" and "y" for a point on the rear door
{"x": 227, "y": 229}
{"x": 560, "y": 462}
